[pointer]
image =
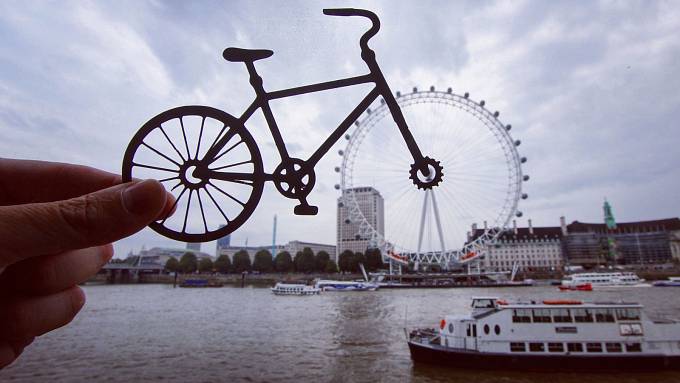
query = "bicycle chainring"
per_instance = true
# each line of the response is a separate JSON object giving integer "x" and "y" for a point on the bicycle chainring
{"x": 432, "y": 179}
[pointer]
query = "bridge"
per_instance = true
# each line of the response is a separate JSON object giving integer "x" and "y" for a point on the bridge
{"x": 127, "y": 273}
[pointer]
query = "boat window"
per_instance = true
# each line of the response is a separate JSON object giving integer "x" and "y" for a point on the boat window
{"x": 474, "y": 330}
{"x": 613, "y": 347}
{"x": 633, "y": 347}
{"x": 486, "y": 329}
{"x": 574, "y": 347}
{"x": 555, "y": 347}
{"x": 497, "y": 329}
{"x": 483, "y": 304}
{"x": 627, "y": 314}
{"x": 561, "y": 316}
{"x": 541, "y": 315}
{"x": 604, "y": 315}
{"x": 630, "y": 329}
{"x": 451, "y": 328}
{"x": 594, "y": 347}
{"x": 583, "y": 315}
{"x": 517, "y": 347}
{"x": 468, "y": 330}
{"x": 521, "y": 316}
{"x": 536, "y": 347}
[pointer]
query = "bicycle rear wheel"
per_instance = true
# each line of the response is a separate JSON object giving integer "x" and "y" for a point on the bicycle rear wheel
{"x": 173, "y": 145}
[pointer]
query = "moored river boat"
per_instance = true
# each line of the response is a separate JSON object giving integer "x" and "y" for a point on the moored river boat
{"x": 552, "y": 335}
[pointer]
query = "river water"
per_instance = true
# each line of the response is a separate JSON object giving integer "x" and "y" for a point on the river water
{"x": 156, "y": 333}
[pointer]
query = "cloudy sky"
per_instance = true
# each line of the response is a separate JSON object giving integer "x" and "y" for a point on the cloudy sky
{"x": 591, "y": 88}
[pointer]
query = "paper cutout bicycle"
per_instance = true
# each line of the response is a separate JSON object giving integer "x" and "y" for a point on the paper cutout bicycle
{"x": 207, "y": 173}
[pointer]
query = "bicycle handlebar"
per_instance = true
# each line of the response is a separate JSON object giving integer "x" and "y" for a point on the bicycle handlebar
{"x": 363, "y": 42}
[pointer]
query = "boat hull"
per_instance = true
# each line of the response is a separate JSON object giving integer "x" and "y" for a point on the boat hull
{"x": 467, "y": 359}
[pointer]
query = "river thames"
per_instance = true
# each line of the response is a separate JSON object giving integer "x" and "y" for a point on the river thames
{"x": 157, "y": 333}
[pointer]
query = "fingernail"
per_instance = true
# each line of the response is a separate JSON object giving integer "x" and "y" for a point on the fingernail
{"x": 137, "y": 196}
{"x": 77, "y": 299}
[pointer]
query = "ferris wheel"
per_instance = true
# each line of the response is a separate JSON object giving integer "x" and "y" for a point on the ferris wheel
{"x": 482, "y": 180}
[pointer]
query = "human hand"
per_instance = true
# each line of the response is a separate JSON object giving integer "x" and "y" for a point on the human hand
{"x": 57, "y": 222}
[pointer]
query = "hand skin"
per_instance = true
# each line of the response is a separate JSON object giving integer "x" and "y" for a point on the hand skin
{"x": 57, "y": 222}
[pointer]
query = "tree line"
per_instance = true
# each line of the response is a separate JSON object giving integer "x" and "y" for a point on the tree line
{"x": 304, "y": 261}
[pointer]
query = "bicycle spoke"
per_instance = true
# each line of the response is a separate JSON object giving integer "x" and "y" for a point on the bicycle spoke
{"x": 224, "y": 139}
{"x": 174, "y": 205}
{"x": 160, "y": 154}
{"x": 155, "y": 167}
{"x": 186, "y": 213}
{"x": 169, "y": 179}
{"x": 176, "y": 186}
{"x": 171, "y": 144}
{"x": 200, "y": 135}
{"x": 227, "y": 194}
{"x": 200, "y": 204}
{"x": 228, "y": 150}
{"x": 232, "y": 165}
{"x": 216, "y": 205}
{"x": 184, "y": 134}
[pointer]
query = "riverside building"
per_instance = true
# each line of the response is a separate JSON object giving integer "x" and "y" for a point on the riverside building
{"x": 530, "y": 248}
{"x": 372, "y": 206}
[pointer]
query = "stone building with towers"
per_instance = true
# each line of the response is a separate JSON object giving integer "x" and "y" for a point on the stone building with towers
{"x": 372, "y": 206}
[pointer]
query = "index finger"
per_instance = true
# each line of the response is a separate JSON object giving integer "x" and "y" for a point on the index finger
{"x": 28, "y": 181}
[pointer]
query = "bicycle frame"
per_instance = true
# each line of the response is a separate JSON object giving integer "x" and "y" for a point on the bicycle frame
{"x": 262, "y": 102}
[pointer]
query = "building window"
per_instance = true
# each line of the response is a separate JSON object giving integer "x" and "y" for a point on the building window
{"x": 613, "y": 347}
{"x": 574, "y": 347}
{"x": 633, "y": 347}
{"x": 594, "y": 347}
{"x": 536, "y": 347}
{"x": 555, "y": 347}
{"x": 517, "y": 347}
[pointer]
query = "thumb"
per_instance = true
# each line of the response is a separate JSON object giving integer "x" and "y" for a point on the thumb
{"x": 91, "y": 220}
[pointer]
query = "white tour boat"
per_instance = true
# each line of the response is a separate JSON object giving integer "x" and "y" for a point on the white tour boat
{"x": 610, "y": 279}
{"x": 550, "y": 335}
{"x": 294, "y": 289}
{"x": 327, "y": 285}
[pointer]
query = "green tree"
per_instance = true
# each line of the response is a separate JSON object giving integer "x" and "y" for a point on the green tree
{"x": 172, "y": 265}
{"x": 344, "y": 260}
{"x": 188, "y": 262}
{"x": 321, "y": 260}
{"x": 205, "y": 265}
{"x": 355, "y": 260}
{"x": 304, "y": 261}
{"x": 373, "y": 260}
{"x": 241, "y": 261}
{"x": 331, "y": 267}
{"x": 283, "y": 262}
{"x": 223, "y": 264}
{"x": 263, "y": 261}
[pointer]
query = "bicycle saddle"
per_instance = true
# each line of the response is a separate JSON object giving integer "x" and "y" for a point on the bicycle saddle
{"x": 245, "y": 55}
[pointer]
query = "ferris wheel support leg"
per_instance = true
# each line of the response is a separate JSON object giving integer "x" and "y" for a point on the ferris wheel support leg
{"x": 422, "y": 221}
{"x": 439, "y": 224}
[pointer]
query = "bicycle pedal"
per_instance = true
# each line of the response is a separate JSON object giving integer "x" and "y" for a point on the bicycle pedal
{"x": 306, "y": 210}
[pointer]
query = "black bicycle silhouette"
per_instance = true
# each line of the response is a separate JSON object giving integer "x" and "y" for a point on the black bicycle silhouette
{"x": 294, "y": 177}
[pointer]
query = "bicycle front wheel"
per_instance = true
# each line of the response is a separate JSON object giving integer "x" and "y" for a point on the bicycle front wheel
{"x": 172, "y": 148}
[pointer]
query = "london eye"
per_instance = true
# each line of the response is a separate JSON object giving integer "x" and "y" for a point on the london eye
{"x": 482, "y": 178}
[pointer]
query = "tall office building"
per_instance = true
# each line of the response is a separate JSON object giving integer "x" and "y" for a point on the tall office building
{"x": 223, "y": 242}
{"x": 372, "y": 206}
